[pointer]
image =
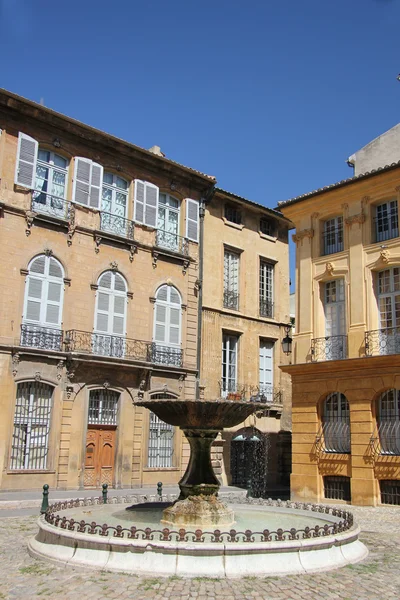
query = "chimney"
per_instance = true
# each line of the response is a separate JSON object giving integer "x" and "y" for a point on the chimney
{"x": 156, "y": 150}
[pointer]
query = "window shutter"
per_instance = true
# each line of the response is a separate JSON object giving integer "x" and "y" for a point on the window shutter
{"x": 160, "y": 323}
{"x": 53, "y": 307}
{"x": 25, "y": 170}
{"x": 174, "y": 322}
{"x": 96, "y": 182}
{"x": 151, "y": 204}
{"x": 103, "y": 304}
{"x": 119, "y": 315}
{"x": 192, "y": 220}
{"x": 34, "y": 299}
{"x": 82, "y": 180}
{"x": 139, "y": 201}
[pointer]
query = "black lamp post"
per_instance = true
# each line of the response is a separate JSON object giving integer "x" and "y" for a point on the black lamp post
{"x": 287, "y": 340}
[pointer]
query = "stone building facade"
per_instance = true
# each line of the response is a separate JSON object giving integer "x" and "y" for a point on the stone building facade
{"x": 345, "y": 376}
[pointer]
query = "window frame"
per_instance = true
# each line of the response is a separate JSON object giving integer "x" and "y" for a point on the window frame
{"x": 52, "y": 168}
{"x": 391, "y": 218}
{"x": 337, "y": 234}
{"x": 231, "y": 280}
{"x": 265, "y": 287}
{"x": 336, "y": 416}
{"x": 167, "y": 323}
{"x": 46, "y": 280}
{"x": 231, "y": 209}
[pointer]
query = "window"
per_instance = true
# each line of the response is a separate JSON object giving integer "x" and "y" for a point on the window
{"x": 231, "y": 279}
{"x": 88, "y": 181}
{"x": 386, "y": 221}
{"x": 266, "y": 288}
{"x": 161, "y": 443}
{"x": 229, "y": 364}
{"x": 268, "y": 226}
{"x": 50, "y": 184}
{"x": 103, "y": 405}
{"x": 114, "y": 203}
{"x": 233, "y": 214}
{"x": 335, "y": 320}
{"x": 332, "y": 235}
{"x": 389, "y": 311}
{"x": 388, "y": 422}
{"x": 146, "y": 203}
{"x": 167, "y": 326}
{"x": 336, "y": 423}
{"x": 168, "y": 222}
{"x": 110, "y": 315}
{"x": 30, "y": 441}
{"x": 266, "y": 371}
{"x": 390, "y": 491}
{"x": 337, "y": 488}
{"x": 41, "y": 327}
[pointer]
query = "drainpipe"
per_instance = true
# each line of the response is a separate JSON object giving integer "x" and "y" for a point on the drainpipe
{"x": 202, "y": 211}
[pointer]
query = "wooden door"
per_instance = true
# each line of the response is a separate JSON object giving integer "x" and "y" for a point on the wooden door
{"x": 99, "y": 461}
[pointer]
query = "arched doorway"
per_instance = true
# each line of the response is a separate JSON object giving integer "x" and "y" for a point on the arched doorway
{"x": 249, "y": 461}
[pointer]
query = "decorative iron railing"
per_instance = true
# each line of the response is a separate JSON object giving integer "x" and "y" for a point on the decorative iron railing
{"x": 386, "y": 439}
{"x": 266, "y": 308}
{"x": 332, "y": 241}
{"x": 45, "y": 338}
{"x": 172, "y": 241}
{"x": 165, "y": 355}
{"x": 117, "y": 225}
{"x": 265, "y": 394}
{"x": 50, "y": 205}
{"x": 331, "y": 347}
{"x": 101, "y": 344}
{"x": 231, "y": 299}
{"x": 382, "y": 341}
{"x": 334, "y": 437}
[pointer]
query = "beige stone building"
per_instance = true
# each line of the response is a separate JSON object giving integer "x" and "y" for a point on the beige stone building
{"x": 346, "y": 386}
{"x": 103, "y": 245}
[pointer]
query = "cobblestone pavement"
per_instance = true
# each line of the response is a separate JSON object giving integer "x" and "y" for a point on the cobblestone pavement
{"x": 377, "y": 577}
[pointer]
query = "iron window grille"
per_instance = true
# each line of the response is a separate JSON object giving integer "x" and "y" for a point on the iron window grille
{"x": 45, "y": 338}
{"x": 388, "y": 422}
{"x": 231, "y": 280}
{"x": 266, "y": 277}
{"x": 103, "y": 407}
{"x": 332, "y": 236}
{"x": 386, "y": 221}
{"x": 337, "y": 488}
{"x": 30, "y": 440}
{"x": 335, "y": 434}
{"x": 161, "y": 442}
{"x": 390, "y": 491}
{"x": 233, "y": 214}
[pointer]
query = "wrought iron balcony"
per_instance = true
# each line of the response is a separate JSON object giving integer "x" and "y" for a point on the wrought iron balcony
{"x": 266, "y": 308}
{"x": 334, "y": 437}
{"x": 165, "y": 355}
{"x": 117, "y": 225}
{"x": 386, "y": 439}
{"x": 332, "y": 241}
{"x": 265, "y": 394}
{"x": 45, "y": 338}
{"x": 231, "y": 300}
{"x": 382, "y": 341}
{"x": 50, "y": 205}
{"x": 172, "y": 241}
{"x": 331, "y": 347}
{"x": 100, "y": 344}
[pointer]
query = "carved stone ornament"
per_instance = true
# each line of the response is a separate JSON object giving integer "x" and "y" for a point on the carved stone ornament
{"x": 385, "y": 256}
{"x": 305, "y": 233}
{"x": 132, "y": 251}
{"x": 97, "y": 241}
{"x": 106, "y": 385}
{"x": 60, "y": 366}
{"x": 155, "y": 259}
{"x": 38, "y": 376}
{"x": 71, "y": 224}
{"x": 70, "y": 367}
{"x": 15, "y": 362}
{"x": 358, "y": 218}
{"x": 69, "y": 391}
{"x": 114, "y": 265}
{"x": 329, "y": 268}
{"x": 315, "y": 216}
{"x": 142, "y": 387}
{"x": 29, "y": 216}
{"x": 48, "y": 252}
{"x": 182, "y": 378}
{"x": 185, "y": 266}
{"x": 57, "y": 143}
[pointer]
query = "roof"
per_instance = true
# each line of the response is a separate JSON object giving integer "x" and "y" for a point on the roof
{"x": 339, "y": 184}
{"x": 275, "y": 213}
{"x": 35, "y": 105}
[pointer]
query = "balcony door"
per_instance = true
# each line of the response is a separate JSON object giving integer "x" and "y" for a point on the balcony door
{"x": 110, "y": 318}
{"x": 335, "y": 320}
{"x": 389, "y": 310}
{"x": 266, "y": 373}
{"x": 229, "y": 364}
{"x": 114, "y": 204}
{"x": 168, "y": 222}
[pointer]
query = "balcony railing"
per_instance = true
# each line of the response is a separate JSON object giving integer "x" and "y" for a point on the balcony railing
{"x": 334, "y": 437}
{"x": 50, "y": 205}
{"x": 172, "y": 241}
{"x": 165, "y": 355}
{"x": 382, "y": 341}
{"x": 100, "y": 344}
{"x": 266, "y": 308}
{"x": 231, "y": 299}
{"x": 331, "y": 347}
{"x": 117, "y": 225}
{"x": 387, "y": 438}
{"x": 332, "y": 241}
{"x": 265, "y": 394}
{"x": 45, "y": 338}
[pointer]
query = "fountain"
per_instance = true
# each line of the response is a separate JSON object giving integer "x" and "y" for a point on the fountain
{"x": 193, "y": 534}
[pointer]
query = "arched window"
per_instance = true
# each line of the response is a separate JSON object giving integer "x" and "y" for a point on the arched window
{"x": 50, "y": 184}
{"x": 30, "y": 441}
{"x": 336, "y": 423}
{"x": 114, "y": 205}
{"x": 44, "y": 288}
{"x": 167, "y": 326}
{"x": 388, "y": 422}
{"x": 110, "y": 315}
{"x": 161, "y": 438}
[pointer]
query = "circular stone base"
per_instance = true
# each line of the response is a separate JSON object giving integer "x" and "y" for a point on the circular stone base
{"x": 199, "y": 511}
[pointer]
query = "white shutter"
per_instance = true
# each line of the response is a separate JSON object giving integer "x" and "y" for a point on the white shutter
{"x": 102, "y": 316}
{"x": 82, "y": 177}
{"x": 33, "y": 299}
{"x": 160, "y": 323}
{"x": 265, "y": 366}
{"x": 192, "y": 220}
{"x": 96, "y": 182}
{"x": 139, "y": 201}
{"x": 119, "y": 315}
{"x": 174, "y": 325}
{"x": 151, "y": 204}
{"x": 25, "y": 169}
{"x": 53, "y": 305}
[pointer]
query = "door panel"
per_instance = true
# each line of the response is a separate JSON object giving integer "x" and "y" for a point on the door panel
{"x": 99, "y": 461}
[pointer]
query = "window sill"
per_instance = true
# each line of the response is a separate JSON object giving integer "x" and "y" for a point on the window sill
{"x": 155, "y": 469}
{"x": 30, "y": 472}
{"x": 238, "y": 226}
{"x": 270, "y": 238}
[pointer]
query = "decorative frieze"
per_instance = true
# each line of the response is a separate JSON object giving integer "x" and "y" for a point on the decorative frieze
{"x": 305, "y": 233}
{"x": 358, "y": 218}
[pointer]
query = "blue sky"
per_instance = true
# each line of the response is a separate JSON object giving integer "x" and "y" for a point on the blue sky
{"x": 271, "y": 97}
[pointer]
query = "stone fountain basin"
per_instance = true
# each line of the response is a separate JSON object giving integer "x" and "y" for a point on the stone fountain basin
{"x": 191, "y": 558}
